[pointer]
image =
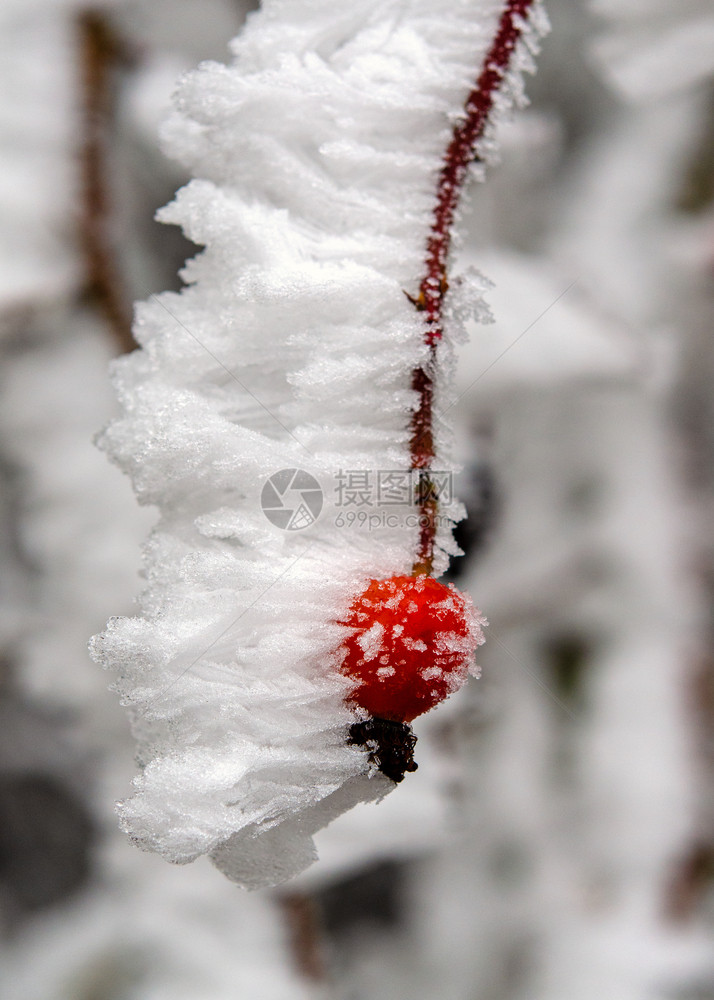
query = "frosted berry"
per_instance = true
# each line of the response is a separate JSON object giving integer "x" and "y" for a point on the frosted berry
{"x": 412, "y": 643}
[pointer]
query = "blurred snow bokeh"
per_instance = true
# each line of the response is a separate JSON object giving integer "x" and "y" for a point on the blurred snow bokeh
{"x": 558, "y": 839}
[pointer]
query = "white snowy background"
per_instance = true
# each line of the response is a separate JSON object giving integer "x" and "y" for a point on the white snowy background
{"x": 557, "y": 842}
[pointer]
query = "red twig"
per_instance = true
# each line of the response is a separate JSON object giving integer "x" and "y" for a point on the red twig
{"x": 459, "y": 154}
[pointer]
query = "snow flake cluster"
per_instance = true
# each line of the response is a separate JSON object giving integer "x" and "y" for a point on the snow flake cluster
{"x": 316, "y": 154}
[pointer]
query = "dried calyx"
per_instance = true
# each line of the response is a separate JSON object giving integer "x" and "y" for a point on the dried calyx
{"x": 390, "y": 745}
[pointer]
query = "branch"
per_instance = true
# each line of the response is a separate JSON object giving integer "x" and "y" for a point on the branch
{"x": 461, "y": 152}
{"x": 305, "y": 935}
{"x": 99, "y": 53}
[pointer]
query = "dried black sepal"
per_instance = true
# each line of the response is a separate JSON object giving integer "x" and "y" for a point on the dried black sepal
{"x": 391, "y": 745}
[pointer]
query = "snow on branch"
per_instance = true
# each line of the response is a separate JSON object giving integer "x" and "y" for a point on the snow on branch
{"x": 290, "y": 359}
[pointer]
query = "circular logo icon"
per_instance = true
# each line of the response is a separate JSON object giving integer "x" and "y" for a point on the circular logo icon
{"x": 292, "y": 499}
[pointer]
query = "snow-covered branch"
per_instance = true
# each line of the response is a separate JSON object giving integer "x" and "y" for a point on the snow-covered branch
{"x": 317, "y": 155}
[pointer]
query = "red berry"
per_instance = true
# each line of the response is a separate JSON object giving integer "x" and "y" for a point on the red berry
{"x": 412, "y": 644}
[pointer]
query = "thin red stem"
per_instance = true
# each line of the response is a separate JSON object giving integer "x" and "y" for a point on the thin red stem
{"x": 460, "y": 153}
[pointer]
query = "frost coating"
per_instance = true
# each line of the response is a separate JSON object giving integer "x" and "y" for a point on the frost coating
{"x": 291, "y": 347}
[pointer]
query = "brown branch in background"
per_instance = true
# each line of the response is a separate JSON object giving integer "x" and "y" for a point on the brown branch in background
{"x": 692, "y": 877}
{"x": 100, "y": 52}
{"x": 306, "y": 943}
{"x": 434, "y": 285}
